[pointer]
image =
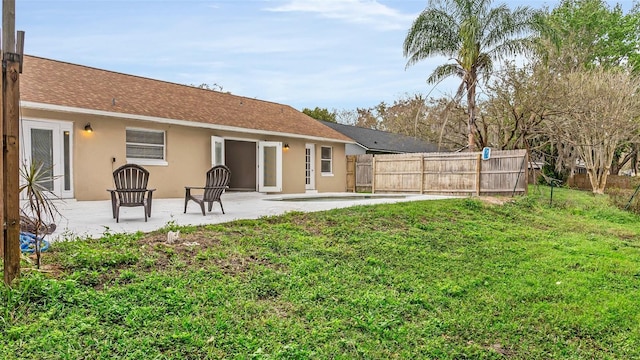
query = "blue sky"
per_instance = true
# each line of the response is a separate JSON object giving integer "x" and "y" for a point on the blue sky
{"x": 335, "y": 54}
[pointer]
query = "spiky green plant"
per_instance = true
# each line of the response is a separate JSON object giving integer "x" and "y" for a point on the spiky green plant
{"x": 39, "y": 209}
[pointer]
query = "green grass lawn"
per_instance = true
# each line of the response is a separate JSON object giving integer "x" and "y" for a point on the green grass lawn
{"x": 449, "y": 279}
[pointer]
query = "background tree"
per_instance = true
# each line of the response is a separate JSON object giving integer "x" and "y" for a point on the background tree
{"x": 514, "y": 115}
{"x": 373, "y": 117}
{"x": 473, "y": 35}
{"x": 439, "y": 121}
{"x": 346, "y": 116}
{"x": 212, "y": 87}
{"x": 515, "y": 107}
{"x": 401, "y": 117}
{"x": 445, "y": 124}
{"x": 590, "y": 34}
{"x": 598, "y": 111}
{"x": 404, "y": 115}
{"x": 321, "y": 114}
{"x": 625, "y": 153}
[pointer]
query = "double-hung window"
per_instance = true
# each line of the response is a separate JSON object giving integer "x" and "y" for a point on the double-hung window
{"x": 146, "y": 147}
{"x": 326, "y": 160}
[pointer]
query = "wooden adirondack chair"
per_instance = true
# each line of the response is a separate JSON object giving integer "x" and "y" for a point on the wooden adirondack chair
{"x": 131, "y": 190}
{"x": 217, "y": 181}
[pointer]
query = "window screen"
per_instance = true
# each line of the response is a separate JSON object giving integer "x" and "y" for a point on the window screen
{"x": 325, "y": 159}
{"x": 145, "y": 144}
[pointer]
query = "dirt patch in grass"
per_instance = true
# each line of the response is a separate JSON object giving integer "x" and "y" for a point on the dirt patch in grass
{"x": 197, "y": 238}
{"x": 197, "y": 249}
{"x": 496, "y": 200}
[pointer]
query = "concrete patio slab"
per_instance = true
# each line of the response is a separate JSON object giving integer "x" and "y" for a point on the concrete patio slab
{"x": 93, "y": 218}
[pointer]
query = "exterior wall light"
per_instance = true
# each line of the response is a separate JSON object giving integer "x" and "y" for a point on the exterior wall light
{"x": 88, "y": 128}
{"x": 286, "y": 146}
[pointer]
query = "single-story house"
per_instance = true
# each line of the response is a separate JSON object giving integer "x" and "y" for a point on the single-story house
{"x": 84, "y": 122}
{"x": 370, "y": 141}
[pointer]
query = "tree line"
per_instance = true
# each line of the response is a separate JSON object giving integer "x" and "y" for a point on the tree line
{"x": 562, "y": 83}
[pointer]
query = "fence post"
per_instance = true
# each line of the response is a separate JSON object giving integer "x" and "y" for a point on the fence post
{"x": 355, "y": 173}
{"x": 373, "y": 174}
{"x": 421, "y": 174}
{"x": 515, "y": 186}
{"x": 526, "y": 173}
{"x": 478, "y": 171}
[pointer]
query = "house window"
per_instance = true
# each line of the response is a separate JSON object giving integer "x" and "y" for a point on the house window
{"x": 146, "y": 146}
{"x": 326, "y": 155}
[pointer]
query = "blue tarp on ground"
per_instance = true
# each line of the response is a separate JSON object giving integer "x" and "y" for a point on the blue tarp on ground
{"x": 28, "y": 242}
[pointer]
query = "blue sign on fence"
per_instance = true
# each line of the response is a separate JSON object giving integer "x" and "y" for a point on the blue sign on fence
{"x": 486, "y": 153}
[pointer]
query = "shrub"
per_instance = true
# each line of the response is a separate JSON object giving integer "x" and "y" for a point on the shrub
{"x": 622, "y": 198}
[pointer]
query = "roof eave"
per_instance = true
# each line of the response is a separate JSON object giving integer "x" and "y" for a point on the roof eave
{"x": 384, "y": 150}
{"x": 75, "y": 110}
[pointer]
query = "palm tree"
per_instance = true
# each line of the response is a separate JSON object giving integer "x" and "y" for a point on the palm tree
{"x": 472, "y": 35}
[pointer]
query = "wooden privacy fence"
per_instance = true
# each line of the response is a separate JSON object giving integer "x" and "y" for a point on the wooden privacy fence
{"x": 359, "y": 173}
{"x": 504, "y": 173}
{"x": 582, "y": 182}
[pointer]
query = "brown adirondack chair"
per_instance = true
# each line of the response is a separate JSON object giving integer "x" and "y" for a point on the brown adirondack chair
{"x": 217, "y": 181}
{"x": 131, "y": 190}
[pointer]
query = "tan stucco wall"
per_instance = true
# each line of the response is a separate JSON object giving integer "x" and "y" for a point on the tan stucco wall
{"x": 293, "y": 167}
{"x": 188, "y": 154}
{"x": 337, "y": 182}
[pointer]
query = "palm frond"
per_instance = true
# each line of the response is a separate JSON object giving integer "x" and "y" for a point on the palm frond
{"x": 484, "y": 66}
{"x": 504, "y": 25}
{"x": 433, "y": 33}
{"x": 512, "y": 47}
{"x": 444, "y": 71}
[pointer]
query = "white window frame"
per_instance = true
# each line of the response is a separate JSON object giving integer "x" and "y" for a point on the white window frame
{"x": 217, "y": 140}
{"x": 330, "y": 160}
{"x": 142, "y": 161}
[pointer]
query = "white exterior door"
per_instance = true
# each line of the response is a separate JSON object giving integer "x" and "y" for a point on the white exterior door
{"x": 48, "y": 144}
{"x": 217, "y": 151}
{"x": 310, "y": 167}
{"x": 269, "y": 166}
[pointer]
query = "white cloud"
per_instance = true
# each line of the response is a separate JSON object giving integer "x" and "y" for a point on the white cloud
{"x": 368, "y": 12}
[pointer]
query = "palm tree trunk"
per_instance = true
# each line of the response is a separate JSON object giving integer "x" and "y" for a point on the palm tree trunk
{"x": 471, "y": 108}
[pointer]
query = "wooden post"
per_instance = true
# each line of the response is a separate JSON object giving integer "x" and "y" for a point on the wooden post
{"x": 373, "y": 174}
{"x": 526, "y": 173}
{"x": 11, "y": 159}
{"x": 3, "y": 239}
{"x": 354, "y": 170}
{"x": 478, "y": 172}
{"x": 421, "y": 174}
{"x": 11, "y": 171}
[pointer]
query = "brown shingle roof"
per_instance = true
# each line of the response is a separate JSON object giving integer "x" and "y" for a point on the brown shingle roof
{"x": 59, "y": 83}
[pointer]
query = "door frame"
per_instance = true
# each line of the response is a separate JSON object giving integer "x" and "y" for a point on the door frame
{"x": 277, "y": 166}
{"x": 310, "y": 166}
{"x": 59, "y": 130}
